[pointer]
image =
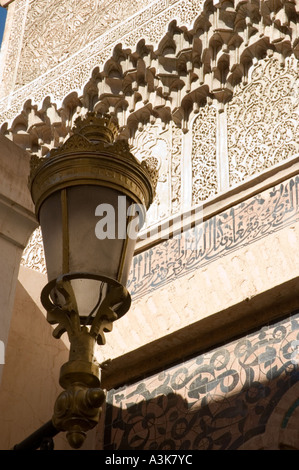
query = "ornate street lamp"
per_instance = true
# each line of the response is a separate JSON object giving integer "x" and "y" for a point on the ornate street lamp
{"x": 88, "y": 259}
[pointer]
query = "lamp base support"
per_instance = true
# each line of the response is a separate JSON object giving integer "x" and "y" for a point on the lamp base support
{"x": 78, "y": 407}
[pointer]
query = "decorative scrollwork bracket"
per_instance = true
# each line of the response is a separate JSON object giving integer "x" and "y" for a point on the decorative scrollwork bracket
{"x": 78, "y": 407}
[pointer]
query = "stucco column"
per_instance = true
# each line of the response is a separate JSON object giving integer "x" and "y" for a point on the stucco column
{"x": 17, "y": 222}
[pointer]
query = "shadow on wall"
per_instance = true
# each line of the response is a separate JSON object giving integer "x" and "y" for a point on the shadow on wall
{"x": 168, "y": 423}
{"x": 29, "y": 384}
{"x": 243, "y": 395}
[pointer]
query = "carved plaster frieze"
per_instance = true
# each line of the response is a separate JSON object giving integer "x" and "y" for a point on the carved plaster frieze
{"x": 263, "y": 118}
{"x": 162, "y": 147}
{"x": 44, "y": 69}
{"x": 204, "y": 155}
{"x": 55, "y": 30}
{"x": 163, "y": 62}
{"x": 154, "y": 75}
{"x": 33, "y": 256}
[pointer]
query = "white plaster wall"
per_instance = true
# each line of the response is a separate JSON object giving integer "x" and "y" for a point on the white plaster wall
{"x": 17, "y": 221}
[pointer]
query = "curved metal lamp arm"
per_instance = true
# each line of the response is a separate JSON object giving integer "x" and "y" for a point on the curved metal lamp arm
{"x": 105, "y": 315}
{"x": 66, "y": 316}
{"x": 115, "y": 304}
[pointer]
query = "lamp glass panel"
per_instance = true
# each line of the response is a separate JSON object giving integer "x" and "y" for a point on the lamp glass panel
{"x": 93, "y": 223}
{"x": 135, "y": 222}
{"x": 96, "y": 243}
{"x": 51, "y": 225}
{"x": 89, "y": 295}
{"x": 97, "y": 222}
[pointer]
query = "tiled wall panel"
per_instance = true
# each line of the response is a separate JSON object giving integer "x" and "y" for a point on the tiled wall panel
{"x": 221, "y": 399}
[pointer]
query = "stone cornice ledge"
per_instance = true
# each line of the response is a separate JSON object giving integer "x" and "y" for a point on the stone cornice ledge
{"x": 17, "y": 219}
{"x": 17, "y": 222}
{"x": 198, "y": 337}
{"x": 255, "y": 185}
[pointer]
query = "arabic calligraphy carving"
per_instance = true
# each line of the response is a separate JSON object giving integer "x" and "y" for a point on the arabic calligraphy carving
{"x": 228, "y": 231}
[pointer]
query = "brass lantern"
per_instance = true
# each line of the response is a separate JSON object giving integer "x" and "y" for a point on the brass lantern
{"x": 90, "y": 197}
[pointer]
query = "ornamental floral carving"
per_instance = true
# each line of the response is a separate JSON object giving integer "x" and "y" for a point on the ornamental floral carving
{"x": 262, "y": 119}
{"x": 33, "y": 255}
{"x": 54, "y": 37}
{"x": 204, "y": 163}
{"x": 161, "y": 148}
{"x": 56, "y": 29}
{"x": 163, "y": 57}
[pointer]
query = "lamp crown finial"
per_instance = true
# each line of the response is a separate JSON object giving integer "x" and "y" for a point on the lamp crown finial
{"x": 96, "y": 127}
